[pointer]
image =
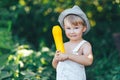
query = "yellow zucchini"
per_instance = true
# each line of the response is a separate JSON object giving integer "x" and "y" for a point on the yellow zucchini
{"x": 57, "y": 35}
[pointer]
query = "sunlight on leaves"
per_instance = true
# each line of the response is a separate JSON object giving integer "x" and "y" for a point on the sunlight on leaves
{"x": 13, "y": 8}
{"x": 89, "y": 14}
{"x": 61, "y": 0}
{"x": 43, "y": 61}
{"x": 16, "y": 74}
{"x": 27, "y": 9}
{"x": 28, "y": 74}
{"x": 36, "y": 2}
{"x": 48, "y": 11}
{"x": 38, "y": 77}
{"x": 40, "y": 69}
{"x": 117, "y": 1}
{"x": 45, "y": 1}
{"x": 96, "y": 3}
{"x": 77, "y": 2}
{"x": 93, "y": 23}
{"x": 100, "y": 8}
{"x": 58, "y": 9}
{"x": 11, "y": 57}
{"x": 23, "y": 47}
{"x": 22, "y": 2}
{"x": 38, "y": 54}
{"x": 24, "y": 52}
{"x": 45, "y": 49}
{"x": 21, "y": 64}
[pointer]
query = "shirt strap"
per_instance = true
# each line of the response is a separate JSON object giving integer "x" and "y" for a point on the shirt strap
{"x": 75, "y": 50}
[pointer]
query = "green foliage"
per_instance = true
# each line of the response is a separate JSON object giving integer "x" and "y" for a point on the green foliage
{"x": 28, "y": 64}
{"x": 105, "y": 68}
{"x": 30, "y": 22}
{"x": 5, "y": 38}
{"x": 6, "y": 43}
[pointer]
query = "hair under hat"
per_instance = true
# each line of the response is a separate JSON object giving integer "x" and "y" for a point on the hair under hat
{"x": 77, "y": 11}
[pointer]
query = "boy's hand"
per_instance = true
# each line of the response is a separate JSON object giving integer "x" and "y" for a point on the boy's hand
{"x": 60, "y": 56}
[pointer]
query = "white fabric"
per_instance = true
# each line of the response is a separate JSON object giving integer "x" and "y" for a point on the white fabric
{"x": 69, "y": 70}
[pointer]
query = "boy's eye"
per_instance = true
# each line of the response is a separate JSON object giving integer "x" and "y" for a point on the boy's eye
{"x": 76, "y": 27}
{"x": 67, "y": 28}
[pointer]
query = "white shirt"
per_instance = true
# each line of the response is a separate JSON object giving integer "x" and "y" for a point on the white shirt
{"x": 69, "y": 70}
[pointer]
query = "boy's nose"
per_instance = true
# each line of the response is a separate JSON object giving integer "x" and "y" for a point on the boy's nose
{"x": 72, "y": 30}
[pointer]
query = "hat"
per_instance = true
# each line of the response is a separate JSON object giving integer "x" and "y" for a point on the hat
{"x": 77, "y": 11}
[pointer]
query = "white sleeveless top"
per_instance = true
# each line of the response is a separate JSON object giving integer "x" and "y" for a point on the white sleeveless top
{"x": 69, "y": 70}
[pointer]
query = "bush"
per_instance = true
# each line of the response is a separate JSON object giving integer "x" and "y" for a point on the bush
{"x": 27, "y": 64}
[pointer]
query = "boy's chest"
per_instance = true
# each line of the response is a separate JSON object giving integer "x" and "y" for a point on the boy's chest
{"x": 69, "y": 50}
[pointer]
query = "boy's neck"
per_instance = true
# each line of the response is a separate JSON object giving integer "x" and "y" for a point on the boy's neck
{"x": 76, "y": 41}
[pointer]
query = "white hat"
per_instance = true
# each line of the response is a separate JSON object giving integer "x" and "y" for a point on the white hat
{"x": 77, "y": 11}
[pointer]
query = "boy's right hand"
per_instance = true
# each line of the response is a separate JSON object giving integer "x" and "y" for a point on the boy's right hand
{"x": 56, "y": 56}
{"x": 61, "y": 57}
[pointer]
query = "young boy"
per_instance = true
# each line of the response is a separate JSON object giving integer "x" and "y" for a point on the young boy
{"x": 78, "y": 52}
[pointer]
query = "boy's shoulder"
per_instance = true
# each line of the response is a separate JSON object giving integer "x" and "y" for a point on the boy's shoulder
{"x": 87, "y": 44}
{"x": 66, "y": 43}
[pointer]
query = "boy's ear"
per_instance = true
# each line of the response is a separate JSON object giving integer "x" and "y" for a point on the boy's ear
{"x": 84, "y": 29}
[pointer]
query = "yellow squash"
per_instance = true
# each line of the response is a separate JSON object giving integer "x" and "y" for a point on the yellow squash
{"x": 57, "y": 35}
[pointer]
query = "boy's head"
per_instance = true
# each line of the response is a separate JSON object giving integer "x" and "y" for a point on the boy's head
{"x": 77, "y": 12}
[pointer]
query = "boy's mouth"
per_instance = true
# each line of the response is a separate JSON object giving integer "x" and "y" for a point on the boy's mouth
{"x": 73, "y": 35}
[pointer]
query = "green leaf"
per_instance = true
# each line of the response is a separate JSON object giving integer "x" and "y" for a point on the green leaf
{"x": 4, "y": 74}
{"x": 3, "y": 59}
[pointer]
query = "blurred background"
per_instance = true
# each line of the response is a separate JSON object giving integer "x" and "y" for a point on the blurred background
{"x": 27, "y": 46}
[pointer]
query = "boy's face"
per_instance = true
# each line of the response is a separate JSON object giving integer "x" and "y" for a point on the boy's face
{"x": 74, "y": 32}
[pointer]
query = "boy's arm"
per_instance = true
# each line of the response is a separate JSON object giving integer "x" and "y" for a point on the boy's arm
{"x": 54, "y": 63}
{"x": 55, "y": 60}
{"x": 85, "y": 59}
